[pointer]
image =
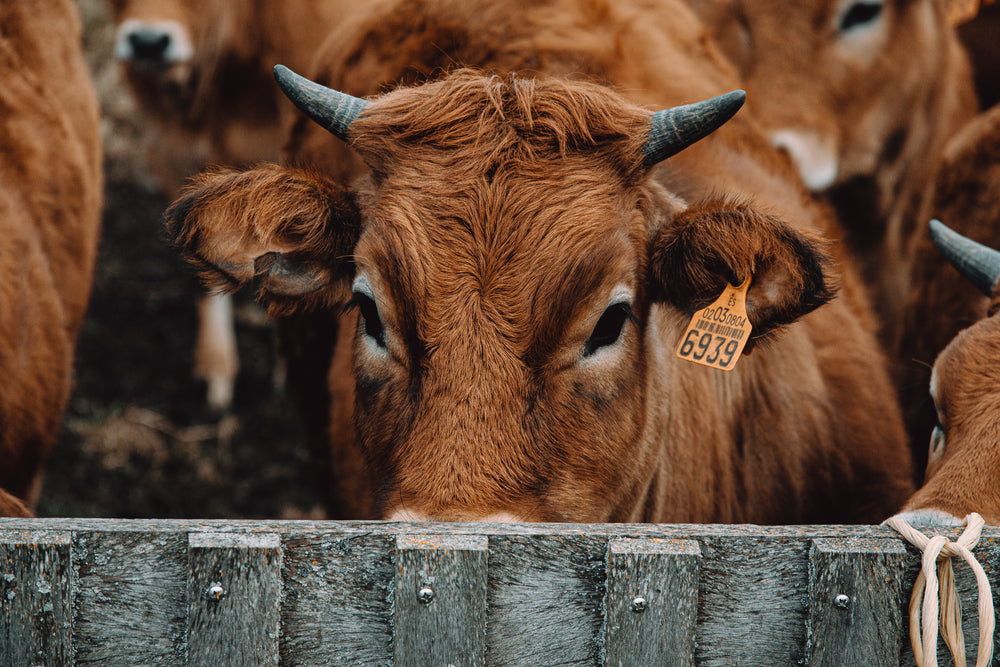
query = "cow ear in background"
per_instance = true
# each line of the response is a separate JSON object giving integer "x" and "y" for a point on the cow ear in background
{"x": 290, "y": 230}
{"x": 693, "y": 257}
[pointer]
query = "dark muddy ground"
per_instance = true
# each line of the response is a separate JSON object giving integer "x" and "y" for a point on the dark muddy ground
{"x": 137, "y": 441}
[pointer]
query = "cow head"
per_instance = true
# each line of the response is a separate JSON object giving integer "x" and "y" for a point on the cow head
{"x": 854, "y": 90}
{"x": 963, "y": 470}
{"x": 516, "y": 274}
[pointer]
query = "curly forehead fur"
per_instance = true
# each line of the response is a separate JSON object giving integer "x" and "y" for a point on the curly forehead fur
{"x": 486, "y": 121}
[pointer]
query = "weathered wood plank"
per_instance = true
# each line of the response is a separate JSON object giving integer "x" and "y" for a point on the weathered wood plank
{"x": 544, "y": 599}
{"x": 651, "y": 603}
{"x": 856, "y": 602}
{"x": 234, "y": 593}
{"x": 36, "y": 620}
{"x": 131, "y": 598}
{"x": 337, "y": 607}
{"x": 440, "y": 600}
{"x": 753, "y": 600}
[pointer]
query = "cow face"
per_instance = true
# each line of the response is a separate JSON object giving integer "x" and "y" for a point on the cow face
{"x": 852, "y": 89}
{"x": 516, "y": 278}
{"x": 963, "y": 469}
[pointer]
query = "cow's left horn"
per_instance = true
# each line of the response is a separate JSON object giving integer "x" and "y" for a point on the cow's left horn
{"x": 331, "y": 108}
{"x": 674, "y": 129}
{"x": 979, "y": 263}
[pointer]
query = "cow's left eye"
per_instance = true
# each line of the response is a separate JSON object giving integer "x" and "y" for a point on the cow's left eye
{"x": 608, "y": 329}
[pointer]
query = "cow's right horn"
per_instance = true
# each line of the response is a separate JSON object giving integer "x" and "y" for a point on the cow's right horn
{"x": 331, "y": 108}
{"x": 674, "y": 129}
{"x": 979, "y": 263}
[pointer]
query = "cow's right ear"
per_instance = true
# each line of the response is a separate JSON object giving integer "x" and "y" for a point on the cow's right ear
{"x": 706, "y": 247}
{"x": 291, "y": 230}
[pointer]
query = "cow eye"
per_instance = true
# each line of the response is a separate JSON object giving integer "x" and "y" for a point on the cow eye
{"x": 860, "y": 14}
{"x": 370, "y": 319}
{"x": 937, "y": 442}
{"x": 608, "y": 329}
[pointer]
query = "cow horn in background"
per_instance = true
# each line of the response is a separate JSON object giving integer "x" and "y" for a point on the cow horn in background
{"x": 674, "y": 129}
{"x": 332, "y": 109}
{"x": 979, "y": 263}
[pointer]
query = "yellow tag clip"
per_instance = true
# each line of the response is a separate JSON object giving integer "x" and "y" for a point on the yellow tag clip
{"x": 717, "y": 334}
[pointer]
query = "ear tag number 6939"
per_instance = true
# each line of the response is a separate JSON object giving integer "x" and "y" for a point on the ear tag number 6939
{"x": 717, "y": 334}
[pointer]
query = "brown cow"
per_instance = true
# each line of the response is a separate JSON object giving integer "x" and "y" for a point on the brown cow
{"x": 50, "y": 199}
{"x": 522, "y": 263}
{"x": 863, "y": 95}
{"x": 963, "y": 471}
{"x": 201, "y": 73}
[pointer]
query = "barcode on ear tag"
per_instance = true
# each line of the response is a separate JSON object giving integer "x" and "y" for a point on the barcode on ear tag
{"x": 717, "y": 334}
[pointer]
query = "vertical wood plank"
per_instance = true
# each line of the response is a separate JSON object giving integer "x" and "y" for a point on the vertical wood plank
{"x": 545, "y": 598}
{"x": 441, "y": 600}
{"x": 338, "y": 592}
{"x": 131, "y": 598}
{"x": 36, "y": 620}
{"x": 234, "y": 596}
{"x": 651, "y": 603}
{"x": 753, "y": 607}
{"x": 856, "y": 601}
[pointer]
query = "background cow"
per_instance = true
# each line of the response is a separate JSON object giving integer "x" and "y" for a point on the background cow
{"x": 50, "y": 199}
{"x": 201, "y": 72}
{"x": 963, "y": 471}
{"x": 520, "y": 278}
{"x": 864, "y": 97}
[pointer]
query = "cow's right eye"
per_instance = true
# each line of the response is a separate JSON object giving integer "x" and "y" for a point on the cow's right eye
{"x": 370, "y": 319}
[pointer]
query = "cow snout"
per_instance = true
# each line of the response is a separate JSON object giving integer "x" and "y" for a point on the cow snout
{"x": 815, "y": 160}
{"x": 148, "y": 44}
{"x": 153, "y": 44}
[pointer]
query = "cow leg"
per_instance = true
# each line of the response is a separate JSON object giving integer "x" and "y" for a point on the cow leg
{"x": 216, "y": 360}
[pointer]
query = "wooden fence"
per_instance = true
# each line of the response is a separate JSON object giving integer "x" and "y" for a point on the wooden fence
{"x": 149, "y": 593}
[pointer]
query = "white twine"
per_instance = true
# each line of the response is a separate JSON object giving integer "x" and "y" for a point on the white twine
{"x": 936, "y": 563}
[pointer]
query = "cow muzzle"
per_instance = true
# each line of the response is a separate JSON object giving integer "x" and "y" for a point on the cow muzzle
{"x": 406, "y": 514}
{"x": 153, "y": 45}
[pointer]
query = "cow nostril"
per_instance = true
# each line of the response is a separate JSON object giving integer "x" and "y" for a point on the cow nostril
{"x": 148, "y": 44}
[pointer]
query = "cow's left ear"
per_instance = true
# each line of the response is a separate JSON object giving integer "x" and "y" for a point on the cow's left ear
{"x": 290, "y": 230}
{"x": 706, "y": 247}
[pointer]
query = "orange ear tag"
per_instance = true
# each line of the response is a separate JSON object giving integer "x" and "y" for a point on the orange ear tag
{"x": 717, "y": 334}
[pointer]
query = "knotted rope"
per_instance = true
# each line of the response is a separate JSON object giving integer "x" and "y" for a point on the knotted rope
{"x": 936, "y": 563}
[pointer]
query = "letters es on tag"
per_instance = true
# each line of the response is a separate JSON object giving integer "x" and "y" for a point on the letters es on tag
{"x": 717, "y": 334}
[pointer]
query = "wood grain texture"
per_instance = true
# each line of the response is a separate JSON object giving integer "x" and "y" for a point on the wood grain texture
{"x": 131, "y": 598}
{"x": 337, "y": 608}
{"x": 233, "y": 598}
{"x": 545, "y": 598}
{"x": 660, "y": 629}
{"x": 448, "y": 625}
{"x": 753, "y": 594}
{"x": 36, "y": 620}
{"x": 865, "y": 626}
{"x": 546, "y": 585}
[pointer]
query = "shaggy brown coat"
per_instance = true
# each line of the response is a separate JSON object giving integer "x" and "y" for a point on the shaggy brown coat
{"x": 522, "y": 278}
{"x": 50, "y": 198}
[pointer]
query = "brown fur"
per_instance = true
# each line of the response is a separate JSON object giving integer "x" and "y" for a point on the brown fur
{"x": 500, "y": 214}
{"x": 50, "y": 197}
{"x": 886, "y": 107}
{"x": 965, "y": 476}
{"x": 223, "y": 107}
